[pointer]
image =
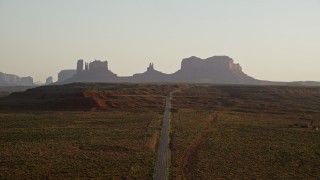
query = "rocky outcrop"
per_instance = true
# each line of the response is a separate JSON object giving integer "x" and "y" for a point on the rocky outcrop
{"x": 26, "y": 81}
{"x": 66, "y": 74}
{"x": 151, "y": 75}
{"x": 96, "y": 71}
{"x": 216, "y": 69}
{"x": 14, "y": 80}
{"x": 49, "y": 80}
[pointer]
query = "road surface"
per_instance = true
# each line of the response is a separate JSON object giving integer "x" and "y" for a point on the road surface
{"x": 161, "y": 166}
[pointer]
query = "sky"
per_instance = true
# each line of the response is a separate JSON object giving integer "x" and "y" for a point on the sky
{"x": 276, "y": 40}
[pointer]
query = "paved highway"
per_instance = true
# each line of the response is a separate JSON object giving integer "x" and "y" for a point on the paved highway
{"x": 161, "y": 166}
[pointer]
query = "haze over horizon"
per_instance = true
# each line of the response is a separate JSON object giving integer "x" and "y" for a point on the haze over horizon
{"x": 273, "y": 40}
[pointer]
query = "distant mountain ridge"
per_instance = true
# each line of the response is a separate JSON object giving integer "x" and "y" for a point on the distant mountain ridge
{"x": 216, "y": 69}
{"x": 212, "y": 70}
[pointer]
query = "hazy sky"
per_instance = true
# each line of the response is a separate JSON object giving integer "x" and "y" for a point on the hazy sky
{"x": 271, "y": 39}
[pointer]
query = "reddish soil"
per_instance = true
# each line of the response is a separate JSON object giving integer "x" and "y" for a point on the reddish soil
{"x": 88, "y": 97}
{"x": 189, "y": 159}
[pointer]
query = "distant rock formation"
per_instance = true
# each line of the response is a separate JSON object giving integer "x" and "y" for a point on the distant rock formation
{"x": 151, "y": 75}
{"x": 14, "y": 80}
{"x": 26, "y": 81}
{"x": 214, "y": 70}
{"x": 66, "y": 74}
{"x": 96, "y": 71}
{"x": 49, "y": 80}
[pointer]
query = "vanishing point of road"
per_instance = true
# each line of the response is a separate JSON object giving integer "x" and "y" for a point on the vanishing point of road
{"x": 161, "y": 166}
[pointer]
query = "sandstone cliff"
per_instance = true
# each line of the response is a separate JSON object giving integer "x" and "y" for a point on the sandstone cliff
{"x": 216, "y": 69}
{"x": 96, "y": 71}
{"x": 66, "y": 74}
{"x": 14, "y": 80}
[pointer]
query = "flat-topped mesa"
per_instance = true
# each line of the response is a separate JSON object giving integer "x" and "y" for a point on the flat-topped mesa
{"x": 98, "y": 65}
{"x": 95, "y": 66}
{"x": 66, "y": 74}
{"x": 96, "y": 71}
{"x": 216, "y": 69}
{"x": 215, "y": 62}
{"x": 14, "y": 80}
